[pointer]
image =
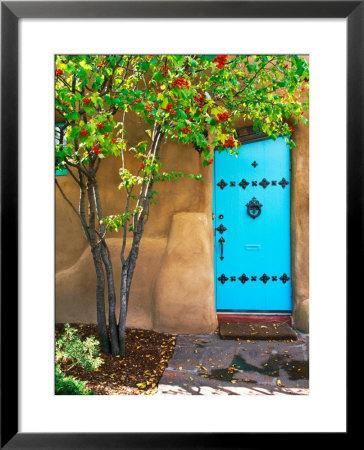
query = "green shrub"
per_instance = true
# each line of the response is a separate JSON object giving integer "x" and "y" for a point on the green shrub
{"x": 72, "y": 351}
{"x": 68, "y": 385}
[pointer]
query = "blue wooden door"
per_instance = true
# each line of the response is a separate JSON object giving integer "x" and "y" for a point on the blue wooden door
{"x": 252, "y": 228}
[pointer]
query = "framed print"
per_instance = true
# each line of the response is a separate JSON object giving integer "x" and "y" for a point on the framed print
{"x": 32, "y": 33}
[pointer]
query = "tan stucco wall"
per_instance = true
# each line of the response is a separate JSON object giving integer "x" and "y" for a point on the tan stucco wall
{"x": 166, "y": 294}
{"x": 173, "y": 285}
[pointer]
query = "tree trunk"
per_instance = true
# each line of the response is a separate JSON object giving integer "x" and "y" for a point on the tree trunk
{"x": 96, "y": 249}
{"x": 123, "y": 308}
{"x": 128, "y": 266}
{"x": 127, "y": 273}
{"x": 111, "y": 299}
{"x": 100, "y": 301}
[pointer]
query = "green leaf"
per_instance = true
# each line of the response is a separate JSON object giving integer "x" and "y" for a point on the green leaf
{"x": 75, "y": 132}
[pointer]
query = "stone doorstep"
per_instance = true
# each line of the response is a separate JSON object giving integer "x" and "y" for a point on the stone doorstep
{"x": 253, "y": 318}
{"x": 257, "y": 331}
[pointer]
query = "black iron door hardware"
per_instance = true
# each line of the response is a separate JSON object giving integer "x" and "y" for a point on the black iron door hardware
{"x": 254, "y": 208}
{"x": 221, "y": 228}
{"x": 222, "y": 184}
{"x": 264, "y": 183}
{"x": 223, "y": 278}
{"x": 221, "y": 241}
{"x": 283, "y": 182}
{"x": 243, "y": 183}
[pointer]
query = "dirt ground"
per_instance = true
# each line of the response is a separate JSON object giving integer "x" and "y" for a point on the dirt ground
{"x": 147, "y": 355}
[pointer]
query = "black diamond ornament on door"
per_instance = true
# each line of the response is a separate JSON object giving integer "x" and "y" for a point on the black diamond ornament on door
{"x": 243, "y": 183}
{"x": 283, "y": 183}
{"x": 221, "y": 228}
{"x": 264, "y": 183}
{"x": 243, "y": 278}
{"x": 222, "y": 184}
{"x": 223, "y": 278}
{"x": 264, "y": 278}
{"x": 284, "y": 278}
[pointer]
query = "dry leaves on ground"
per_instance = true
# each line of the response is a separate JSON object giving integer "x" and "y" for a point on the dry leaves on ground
{"x": 147, "y": 355}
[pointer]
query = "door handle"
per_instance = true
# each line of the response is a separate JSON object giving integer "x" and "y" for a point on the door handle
{"x": 221, "y": 241}
{"x": 254, "y": 208}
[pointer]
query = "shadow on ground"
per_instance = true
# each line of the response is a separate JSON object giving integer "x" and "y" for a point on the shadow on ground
{"x": 208, "y": 365}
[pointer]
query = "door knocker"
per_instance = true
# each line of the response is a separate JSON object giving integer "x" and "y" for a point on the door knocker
{"x": 254, "y": 208}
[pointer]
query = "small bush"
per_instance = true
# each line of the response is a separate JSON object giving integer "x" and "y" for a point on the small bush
{"x": 67, "y": 385}
{"x": 71, "y": 351}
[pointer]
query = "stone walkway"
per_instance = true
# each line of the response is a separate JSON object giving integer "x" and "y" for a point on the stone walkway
{"x": 206, "y": 364}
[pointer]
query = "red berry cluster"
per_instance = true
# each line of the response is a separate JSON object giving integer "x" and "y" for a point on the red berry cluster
{"x": 210, "y": 161}
{"x": 103, "y": 64}
{"x": 148, "y": 108}
{"x": 113, "y": 140}
{"x": 180, "y": 83}
{"x": 230, "y": 143}
{"x": 291, "y": 129}
{"x": 59, "y": 72}
{"x": 86, "y": 101}
{"x": 165, "y": 70}
{"x": 170, "y": 109}
{"x": 100, "y": 126}
{"x": 84, "y": 133}
{"x": 142, "y": 166}
{"x": 220, "y": 61}
{"x": 200, "y": 99}
{"x": 222, "y": 117}
{"x": 136, "y": 100}
{"x": 285, "y": 66}
{"x": 96, "y": 149}
{"x": 186, "y": 130}
{"x": 150, "y": 117}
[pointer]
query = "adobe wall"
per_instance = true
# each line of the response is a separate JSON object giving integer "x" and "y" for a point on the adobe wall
{"x": 173, "y": 285}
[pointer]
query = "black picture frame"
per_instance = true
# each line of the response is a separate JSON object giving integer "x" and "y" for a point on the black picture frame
{"x": 11, "y": 12}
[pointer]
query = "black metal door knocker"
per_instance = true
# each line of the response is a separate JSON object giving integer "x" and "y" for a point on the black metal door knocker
{"x": 254, "y": 208}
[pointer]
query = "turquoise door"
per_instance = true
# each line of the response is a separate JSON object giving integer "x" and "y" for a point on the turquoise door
{"x": 252, "y": 228}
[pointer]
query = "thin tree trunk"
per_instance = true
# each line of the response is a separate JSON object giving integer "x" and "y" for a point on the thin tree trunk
{"x": 100, "y": 275}
{"x": 123, "y": 308}
{"x": 100, "y": 301}
{"x": 128, "y": 266}
{"x": 111, "y": 299}
{"x": 105, "y": 254}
